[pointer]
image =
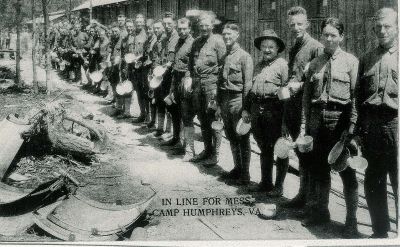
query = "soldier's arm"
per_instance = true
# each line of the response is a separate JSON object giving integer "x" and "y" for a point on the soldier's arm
{"x": 220, "y": 49}
{"x": 306, "y": 101}
{"x": 358, "y": 94}
{"x": 354, "y": 110}
{"x": 247, "y": 72}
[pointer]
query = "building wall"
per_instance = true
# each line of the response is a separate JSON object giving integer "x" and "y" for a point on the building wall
{"x": 253, "y": 16}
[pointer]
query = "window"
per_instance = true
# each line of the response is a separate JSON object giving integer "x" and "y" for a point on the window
{"x": 267, "y": 9}
{"x": 150, "y": 9}
{"x": 231, "y": 10}
{"x": 316, "y": 8}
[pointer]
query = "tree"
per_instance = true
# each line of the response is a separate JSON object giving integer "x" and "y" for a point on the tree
{"x": 49, "y": 86}
{"x": 34, "y": 73}
{"x": 18, "y": 45}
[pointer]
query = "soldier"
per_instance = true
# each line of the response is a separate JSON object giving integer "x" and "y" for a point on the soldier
{"x": 263, "y": 106}
{"x": 377, "y": 100}
{"x": 205, "y": 58}
{"x": 304, "y": 50}
{"x": 329, "y": 114}
{"x": 233, "y": 87}
{"x": 121, "y": 24}
{"x": 167, "y": 56}
{"x": 139, "y": 75}
{"x": 183, "y": 109}
{"x": 115, "y": 58}
{"x": 127, "y": 70}
{"x": 147, "y": 64}
{"x": 155, "y": 54}
{"x": 80, "y": 40}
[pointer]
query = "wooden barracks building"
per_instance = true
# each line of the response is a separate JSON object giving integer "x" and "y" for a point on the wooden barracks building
{"x": 255, "y": 15}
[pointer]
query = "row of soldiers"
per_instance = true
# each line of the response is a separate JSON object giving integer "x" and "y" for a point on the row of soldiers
{"x": 334, "y": 97}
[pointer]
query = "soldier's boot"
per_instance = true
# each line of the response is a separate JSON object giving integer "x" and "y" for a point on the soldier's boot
{"x": 351, "y": 198}
{"x": 245, "y": 155}
{"x": 152, "y": 114}
{"x": 207, "y": 140}
{"x": 176, "y": 129}
{"x": 311, "y": 197}
{"x": 265, "y": 184}
{"x": 282, "y": 166}
{"x": 320, "y": 214}
{"x": 127, "y": 106}
{"x": 236, "y": 171}
{"x": 110, "y": 95}
{"x": 299, "y": 200}
{"x": 160, "y": 124}
{"x": 189, "y": 147}
{"x": 213, "y": 160}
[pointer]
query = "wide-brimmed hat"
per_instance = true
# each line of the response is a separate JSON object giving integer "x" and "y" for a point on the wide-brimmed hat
{"x": 269, "y": 34}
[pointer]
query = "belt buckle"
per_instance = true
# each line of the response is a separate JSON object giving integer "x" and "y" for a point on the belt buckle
{"x": 261, "y": 108}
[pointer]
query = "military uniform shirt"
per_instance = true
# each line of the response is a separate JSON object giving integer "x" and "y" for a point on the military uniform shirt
{"x": 168, "y": 47}
{"x": 269, "y": 77}
{"x": 182, "y": 50}
{"x": 237, "y": 71}
{"x": 301, "y": 54}
{"x": 378, "y": 78}
{"x": 206, "y": 57}
{"x": 332, "y": 79}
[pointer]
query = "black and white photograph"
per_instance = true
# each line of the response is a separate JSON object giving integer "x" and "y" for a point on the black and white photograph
{"x": 199, "y": 122}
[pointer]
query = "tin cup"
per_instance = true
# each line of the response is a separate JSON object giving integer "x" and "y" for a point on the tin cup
{"x": 283, "y": 93}
{"x": 305, "y": 144}
{"x": 217, "y": 125}
{"x": 282, "y": 147}
{"x": 267, "y": 211}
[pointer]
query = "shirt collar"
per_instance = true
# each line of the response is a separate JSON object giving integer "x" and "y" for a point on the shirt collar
{"x": 335, "y": 54}
{"x": 234, "y": 48}
{"x": 306, "y": 37}
{"x": 391, "y": 50}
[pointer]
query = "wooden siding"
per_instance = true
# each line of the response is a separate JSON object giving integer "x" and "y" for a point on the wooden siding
{"x": 356, "y": 15}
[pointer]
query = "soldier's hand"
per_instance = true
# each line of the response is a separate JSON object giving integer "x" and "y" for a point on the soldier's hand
{"x": 294, "y": 87}
{"x": 218, "y": 113}
{"x": 246, "y": 116}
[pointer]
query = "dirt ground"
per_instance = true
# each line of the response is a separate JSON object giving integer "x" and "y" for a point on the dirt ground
{"x": 135, "y": 157}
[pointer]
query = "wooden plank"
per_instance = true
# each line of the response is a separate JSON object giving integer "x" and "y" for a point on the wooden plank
{"x": 10, "y": 143}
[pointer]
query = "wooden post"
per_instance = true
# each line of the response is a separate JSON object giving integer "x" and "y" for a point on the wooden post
{"x": 34, "y": 79}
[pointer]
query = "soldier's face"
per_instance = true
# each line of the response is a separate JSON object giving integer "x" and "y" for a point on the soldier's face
{"x": 386, "y": 30}
{"x": 158, "y": 29}
{"x": 183, "y": 30}
{"x": 331, "y": 38}
{"x": 121, "y": 21}
{"x": 269, "y": 49}
{"x": 169, "y": 24}
{"x": 150, "y": 30}
{"x": 115, "y": 32}
{"x": 298, "y": 25}
{"x": 206, "y": 26}
{"x": 130, "y": 27}
{"x": 139, "y": 22}
{"x": 230, "y": 36}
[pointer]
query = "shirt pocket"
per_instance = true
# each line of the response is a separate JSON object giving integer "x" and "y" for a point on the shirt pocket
{"x": 211, "y": 58}
{"x": 234, "y": 73}
{"x": 392, "y": 84}
{"x": 340, "y": 86}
